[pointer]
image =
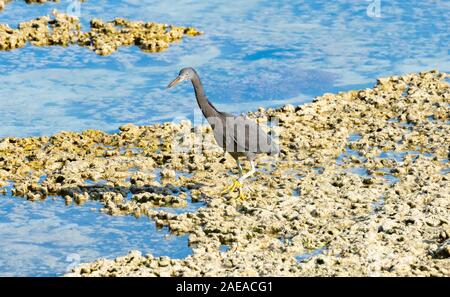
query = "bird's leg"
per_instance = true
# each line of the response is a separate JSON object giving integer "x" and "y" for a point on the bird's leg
{"x": 240, "y": 167}
{"x": 241, "y": 179}
{"x": 236, "y": 183}
{"x": 248, "y": 174}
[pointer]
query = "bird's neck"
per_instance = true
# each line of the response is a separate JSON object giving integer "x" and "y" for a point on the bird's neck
{"x": 207, "y": 108}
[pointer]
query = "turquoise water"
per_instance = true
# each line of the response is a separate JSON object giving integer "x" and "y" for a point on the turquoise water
{"x": 255, "y": 53}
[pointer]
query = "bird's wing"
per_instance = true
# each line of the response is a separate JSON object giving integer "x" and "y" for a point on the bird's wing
{"x": 246, "y": 135}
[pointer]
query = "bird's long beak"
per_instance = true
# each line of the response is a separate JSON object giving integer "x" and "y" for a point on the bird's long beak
{"x": 175, "y": 82}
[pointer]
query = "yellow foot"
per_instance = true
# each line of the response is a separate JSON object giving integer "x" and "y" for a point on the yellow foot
{"x": 241, "y": 196}
{"x": 235, "y": 185}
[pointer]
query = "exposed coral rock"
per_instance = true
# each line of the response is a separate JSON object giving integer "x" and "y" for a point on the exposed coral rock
{"x": 361, "y": 187}
{"x": 4, "y": 2}
{"x": 104, "y": 38}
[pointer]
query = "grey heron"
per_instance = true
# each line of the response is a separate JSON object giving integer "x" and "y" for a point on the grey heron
{"x": 237, "y": 135}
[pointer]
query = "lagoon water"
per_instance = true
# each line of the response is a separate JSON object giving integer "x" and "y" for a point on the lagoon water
{"x": 255, "y": 53}
{"x": 48, "y": 238}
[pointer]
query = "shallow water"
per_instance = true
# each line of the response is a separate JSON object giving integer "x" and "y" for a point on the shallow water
{"x": 307, "y": 256}
{"x": 46, "y": 238}
{"x": 257, "y": 53}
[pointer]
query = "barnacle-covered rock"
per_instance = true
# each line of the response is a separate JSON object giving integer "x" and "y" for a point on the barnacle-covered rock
{"x": 104, "y": 38}
{"x": 361, "y": 187}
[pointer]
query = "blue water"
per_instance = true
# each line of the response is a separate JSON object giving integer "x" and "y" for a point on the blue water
{"x": 354, "y": 137}
{"x": 257, "y": 53}
{"x": 309, "y": 255}
{"x": 46, "y": 238}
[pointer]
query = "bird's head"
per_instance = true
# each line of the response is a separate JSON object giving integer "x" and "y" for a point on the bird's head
{"x": 185, "y": 74}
